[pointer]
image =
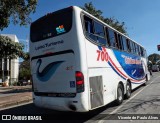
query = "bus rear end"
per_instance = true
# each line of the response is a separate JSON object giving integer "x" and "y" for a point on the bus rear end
{"x": 58, "y": 81}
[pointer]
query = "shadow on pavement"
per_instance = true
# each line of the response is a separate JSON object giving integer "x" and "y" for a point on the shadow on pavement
{"x": 56, "y": 116}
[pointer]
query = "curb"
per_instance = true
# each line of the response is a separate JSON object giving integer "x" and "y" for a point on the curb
{"x": 13, "y": 90}
{"x": 6, "y": 88}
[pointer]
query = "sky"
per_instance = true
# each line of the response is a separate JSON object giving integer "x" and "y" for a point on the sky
{"x": 141, "y": 17}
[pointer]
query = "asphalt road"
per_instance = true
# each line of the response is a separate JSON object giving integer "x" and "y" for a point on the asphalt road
{"x": 145, "y": 100}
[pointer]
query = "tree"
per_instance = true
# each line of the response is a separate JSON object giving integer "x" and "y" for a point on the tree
{"x": 10, "y": 49}
{"x": 110, "y": 21}
{"x": 154, "y": 58}
{"x": 18, "y": 10}
{"x": 24, "y": 71}
{"x": 26, "y": 56}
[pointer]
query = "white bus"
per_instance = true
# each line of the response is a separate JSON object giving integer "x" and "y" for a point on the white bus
{"x": 79, "y": 63}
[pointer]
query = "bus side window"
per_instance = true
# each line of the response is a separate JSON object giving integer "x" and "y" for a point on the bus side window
{"x": 132, "y": 47}
{"x": 128, "y": 45}
{"x": 144, "y": 53}
{"x": 107, "y": 36}
{"x": 98, "y": 29}
{"x": 116, "y": 40}
{"x": 120, "y": 41}
{"x": 139, "y": 50}
{"x": 99, "y": 33}
{"x": 111, "y": 38}
{"x": 124, "y": 44}
{"x": 136, "y": 46}
{"x": 88, "y": 25}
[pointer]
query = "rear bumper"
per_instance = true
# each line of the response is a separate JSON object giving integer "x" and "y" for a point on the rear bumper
{"x": 60, "y": 103}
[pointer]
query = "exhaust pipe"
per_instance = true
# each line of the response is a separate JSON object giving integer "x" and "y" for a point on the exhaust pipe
{"x": 72, "y": 107}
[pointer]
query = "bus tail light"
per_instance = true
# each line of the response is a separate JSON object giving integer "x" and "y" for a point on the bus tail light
{"x": 79, "y": 82}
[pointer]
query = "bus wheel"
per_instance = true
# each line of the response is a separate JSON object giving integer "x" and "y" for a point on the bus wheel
{"x": 146, "y": 81}
{"x": 128, "y": 91}
{"x": 120, "y": 94}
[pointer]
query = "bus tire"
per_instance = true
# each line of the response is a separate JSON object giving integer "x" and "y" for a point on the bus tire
{"x": 128, "y": 90}
{"x": 146, "y": 81}
{"x": 120, "y": 94}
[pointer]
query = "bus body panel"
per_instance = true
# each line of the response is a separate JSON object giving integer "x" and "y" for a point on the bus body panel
{"x": 49, "y": 71}
{"x": 102, "y": 67}
{"x": 53, "y": 62}
{"x": 99, "y": 68}
{"x": 62, "y": 78}
{"x": 61, "y": 104}
{"x": 113, "y": 66}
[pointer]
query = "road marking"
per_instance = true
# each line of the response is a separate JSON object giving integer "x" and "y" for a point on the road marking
{"x": 114, "y": 111}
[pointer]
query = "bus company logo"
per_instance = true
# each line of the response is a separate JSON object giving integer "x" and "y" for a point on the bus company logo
{"x": 48, "y": 71}
{"x": 102, "y": 55}
{"x": 46, "y": 45}
{"x": 60, "y": 29}
{"x": 129, "y": 60}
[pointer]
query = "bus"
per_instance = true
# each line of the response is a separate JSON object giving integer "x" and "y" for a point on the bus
{"x": 79, "y": 63}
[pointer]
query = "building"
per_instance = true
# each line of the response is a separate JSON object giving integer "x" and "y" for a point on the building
{"x": 10, "y": 69}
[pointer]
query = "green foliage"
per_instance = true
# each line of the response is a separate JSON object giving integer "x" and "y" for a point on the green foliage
{"x": 92, "y": 10}
{"x": 154, "y": 58}
{"x": 24, "y": 72}
{"x": 26, "y": 56}
{"x": 10, "y": 49}
{"x": 110, "y": 21}
{"x": 18, "y": 10}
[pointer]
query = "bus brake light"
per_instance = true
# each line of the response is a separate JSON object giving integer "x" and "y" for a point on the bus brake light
{"x": 79, "y": 81}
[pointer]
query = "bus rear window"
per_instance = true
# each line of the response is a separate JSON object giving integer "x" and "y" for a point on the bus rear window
{"x": 51, "y": 25}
